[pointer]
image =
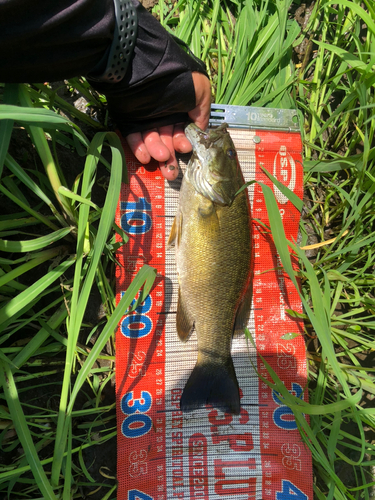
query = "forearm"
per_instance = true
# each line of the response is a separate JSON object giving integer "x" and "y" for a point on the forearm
{"x": 157, "y": 88}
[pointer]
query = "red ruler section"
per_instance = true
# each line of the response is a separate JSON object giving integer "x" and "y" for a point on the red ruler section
{"x": 286, "y": 464}
{"x": 140, "y": 353}
{"x": 164, "y": 454}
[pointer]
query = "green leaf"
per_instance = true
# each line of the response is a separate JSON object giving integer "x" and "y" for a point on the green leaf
{"x": 144, "y": 278}
{"x": 292, "y": 197}
{"x": 34, "y": 244}
{"x": 26, "y": 297}
{"x": 23, "y": 432}
{"x": 348, "y": 57}
{"x": 369, "y": 21}
{"x": 6, "y": 126}
{"x": 36, "y": 116}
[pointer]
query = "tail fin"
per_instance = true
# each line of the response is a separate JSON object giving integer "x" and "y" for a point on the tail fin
{"x": 212, "y": 383}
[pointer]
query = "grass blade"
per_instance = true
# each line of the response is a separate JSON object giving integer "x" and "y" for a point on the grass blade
{"x": 20, "y": 424}
{"x": 11, "y": 246}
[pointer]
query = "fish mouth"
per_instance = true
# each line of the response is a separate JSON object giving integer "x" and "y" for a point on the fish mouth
{"x": 195, "y": 134}
{"x": 203, "y": 141}
{"x": 204, "y": 138}
{"x": 207, "y": 183}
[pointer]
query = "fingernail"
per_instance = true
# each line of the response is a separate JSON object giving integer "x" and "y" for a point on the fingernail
{"x": 171, "y": 167}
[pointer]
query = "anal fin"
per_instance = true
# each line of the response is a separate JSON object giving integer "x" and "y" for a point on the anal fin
{"x": 184, "y": 323}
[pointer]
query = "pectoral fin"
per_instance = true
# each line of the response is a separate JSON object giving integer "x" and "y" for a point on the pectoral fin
{"x": 183, "y": 321}
{"x": 206, "y": 207}
{"x": 209, "y": 222}
{"x": 243, "y": 312}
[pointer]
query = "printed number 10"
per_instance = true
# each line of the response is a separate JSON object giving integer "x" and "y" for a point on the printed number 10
{"x": 136, "y": 220}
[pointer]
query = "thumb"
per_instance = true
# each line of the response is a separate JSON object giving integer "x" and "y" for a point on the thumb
{"x": 201, "y": 113}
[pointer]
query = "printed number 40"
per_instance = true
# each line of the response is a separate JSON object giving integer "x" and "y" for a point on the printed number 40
{"x": 138, "y": 495}
{"x": 290, "y": 492}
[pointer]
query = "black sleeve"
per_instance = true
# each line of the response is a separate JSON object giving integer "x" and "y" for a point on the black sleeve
{"x": 49, "y": 40}
{"x": 158, "y": 87}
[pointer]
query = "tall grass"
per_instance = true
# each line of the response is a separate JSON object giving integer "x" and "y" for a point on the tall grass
{"x": 247, "y": 47}
{"x": 56, "y": 243}
{"x": 61, "y": 229}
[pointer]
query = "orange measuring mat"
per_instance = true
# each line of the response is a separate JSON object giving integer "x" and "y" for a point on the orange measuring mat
{"x": 206, "y": 454}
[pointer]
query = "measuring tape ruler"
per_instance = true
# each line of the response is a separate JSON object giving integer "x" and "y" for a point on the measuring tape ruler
{"x": 162, "y": 453}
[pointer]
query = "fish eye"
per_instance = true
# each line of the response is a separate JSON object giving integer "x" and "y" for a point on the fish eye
{"x": 231, "y": 153}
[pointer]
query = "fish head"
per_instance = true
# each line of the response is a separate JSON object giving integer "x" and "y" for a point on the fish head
{"x": 213, "y": 169}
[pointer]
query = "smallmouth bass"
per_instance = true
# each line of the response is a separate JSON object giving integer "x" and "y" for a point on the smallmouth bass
{"x": 212, "y": 238}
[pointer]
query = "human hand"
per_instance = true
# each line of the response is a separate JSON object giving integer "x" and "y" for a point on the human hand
{"x": 162, "y": 143}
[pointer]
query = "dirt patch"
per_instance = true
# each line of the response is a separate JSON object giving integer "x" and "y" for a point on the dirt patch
{"x": 149, "y": 4}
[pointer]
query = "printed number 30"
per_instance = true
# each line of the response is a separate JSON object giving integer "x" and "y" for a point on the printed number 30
{"x": 136, "y": 424}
